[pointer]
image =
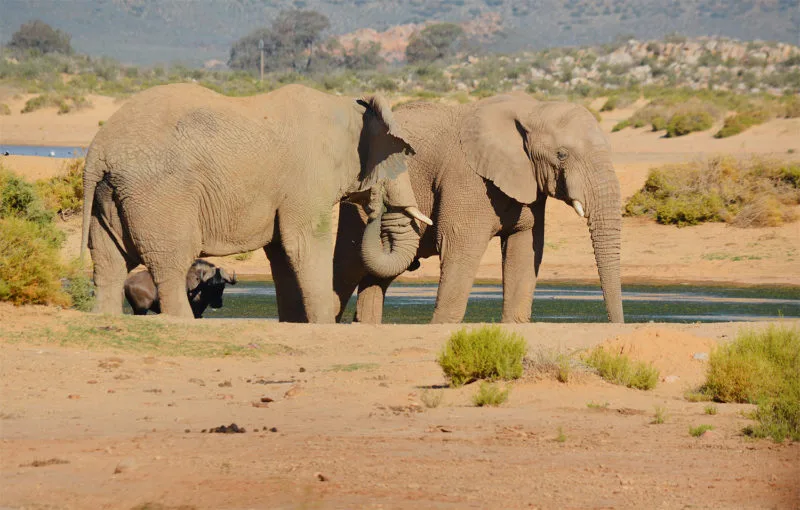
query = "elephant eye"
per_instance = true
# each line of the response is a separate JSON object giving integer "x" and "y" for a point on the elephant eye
{"x": 562, "y": 154}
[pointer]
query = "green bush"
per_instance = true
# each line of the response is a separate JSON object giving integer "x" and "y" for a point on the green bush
{"x": 735, "y": 124}
{"x": 5, "y": 109}
{"x": 64, "y": 102}
{"x": 621, "y": 125}
{"x": 619, "y": 369}
{"x": 64, "y": 193}
{"x": 490, "y": 394}
{"x": 658, "y": 123}
{"x": 700, "y": 430}
{"x": 30, "y": 268}
{"x": 761, "y": 367}
{"x": 18, "y": 199}
{"x": 488, "y": 352}
{"x": 682, "y": 124}
{"x": 742, "y": 192}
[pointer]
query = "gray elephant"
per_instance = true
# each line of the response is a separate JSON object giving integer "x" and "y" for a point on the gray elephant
{"x": 205, "y": 284}
{"x": 483, "y": 170}
{"x": 181, "y": 171}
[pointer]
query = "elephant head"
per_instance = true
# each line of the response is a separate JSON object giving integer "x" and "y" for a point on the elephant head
{"x": 205, "y": 284}
{"x": 531, "y": 150}
{"x": 390, "y": 240}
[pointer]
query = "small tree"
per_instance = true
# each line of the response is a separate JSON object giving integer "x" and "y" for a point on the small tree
{"x": 38, "y": 35}
{"x": 433, "y": 42}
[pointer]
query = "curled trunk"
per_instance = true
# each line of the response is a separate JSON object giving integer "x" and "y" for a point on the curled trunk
{"x": 389, "y": 244}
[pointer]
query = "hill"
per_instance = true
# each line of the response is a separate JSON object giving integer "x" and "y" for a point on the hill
{"x": 149, "y": 31}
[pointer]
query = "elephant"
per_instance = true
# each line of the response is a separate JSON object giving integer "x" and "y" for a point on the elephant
{"x": 486, "y": 169}
{"x": 205, "y": 284}
{"x": 181, "y": 172}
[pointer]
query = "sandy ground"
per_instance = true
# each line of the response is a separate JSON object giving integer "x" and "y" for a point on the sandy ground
{"x": 650, "y": 252}
{"x": 123, "y": 427}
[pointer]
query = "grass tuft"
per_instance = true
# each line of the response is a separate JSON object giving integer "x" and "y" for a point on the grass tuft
{"x": 711, "y": 409}
{"x": 431, "y": 398}
{"x": 619, "y": 369}
{"x": 699, "y": 430}
{"x": 763, "y": 368}
{"x": 488, "y": 352}
{"x": 741, "y": 122}
{"x": 561, "y": 437}
{"x": 490, "y": 394}
{"x": 660, "y": 415}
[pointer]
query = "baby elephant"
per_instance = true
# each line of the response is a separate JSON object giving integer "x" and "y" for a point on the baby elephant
{"x": 204, "y": 285}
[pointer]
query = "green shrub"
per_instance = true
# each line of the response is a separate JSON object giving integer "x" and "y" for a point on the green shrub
{"x": 5, "y": 109}
{"x": 18, "y": 199}
{"x": 80, "y": 288}
{"x": 761, "y": 367}
{"x": 488, "y": 352}
{"x": 64, "y": 193}
{"x": 30, "y": 267}
{"x": 735, "y": 124}
{"x": 791, "y": 108}
{"x": 658, "y": 123}
{"x": 682, "y": 124}
{"x": 700, "y": 430}
{"x": 621, "y": 125}
{"x": 64, "y": 102}
{"x": 610, "y": 104}
{"x": 743, "y": 192}
{"x": 619, "y": 369}
{"x": 490, "y": 394}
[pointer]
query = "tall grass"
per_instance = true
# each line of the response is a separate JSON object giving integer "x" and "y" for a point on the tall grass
{"x": 761, "y": 367}
{"x": 64, "y": 193}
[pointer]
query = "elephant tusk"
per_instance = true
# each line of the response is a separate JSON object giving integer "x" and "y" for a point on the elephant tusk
{"x": 578, "y": 208}
{"x": 417, "y": 214}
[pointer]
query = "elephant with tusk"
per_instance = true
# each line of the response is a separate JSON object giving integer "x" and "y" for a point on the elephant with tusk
{"x": 181, "y": 172}
{"x": 487, "y": 169}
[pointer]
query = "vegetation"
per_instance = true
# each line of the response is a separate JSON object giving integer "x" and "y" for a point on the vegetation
{"x": 763, "y": 368}
{"x": 660, "y": 415}
{"x": 739, "y": 122}
{"x": 39, "y": 37}
{"x": 561, "y": 437}
{"x": 488, "y": 352}
{"x": 64, "y": 193}
{"x": 63, "y": 101}
{"x": 431, "y": 398}
{"x": 682, "y": 124}
{"x": 710, "y": 409}
{"x": 5, "y": 109}
{"x": 434, "y": 42}
{"x": 619, "y": 369}
{"x": 700, "y": 430}
{"x": 490, "y": 394}
{"x": 553, "y": 364}
{"x": 744, "y": 193}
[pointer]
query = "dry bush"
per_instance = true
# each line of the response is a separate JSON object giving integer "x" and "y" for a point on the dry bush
{"x": 754, "y": 192}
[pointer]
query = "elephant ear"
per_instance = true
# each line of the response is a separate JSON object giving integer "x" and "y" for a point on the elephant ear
{"x": 383, "y": 147}
{"x": 495, "y": 143}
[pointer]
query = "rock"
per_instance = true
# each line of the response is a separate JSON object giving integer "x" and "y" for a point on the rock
{"x": 293, "y": 391}
{"x": 321, "y": 477}
{"x": 670, "y": 379}
{"x": 700, "y": 356}
{"x": 710, "y": 434}
{"x": 73, "y": 396}
{"x": 266, "y": 399}
{"x": 124, "y": 466}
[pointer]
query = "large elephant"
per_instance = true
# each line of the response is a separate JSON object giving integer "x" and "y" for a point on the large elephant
{"x": 181, "y": 171}
{"x": 483, "y": 170}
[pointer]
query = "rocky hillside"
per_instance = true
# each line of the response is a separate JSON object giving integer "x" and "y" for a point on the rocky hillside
{"x": 148, "y": 31}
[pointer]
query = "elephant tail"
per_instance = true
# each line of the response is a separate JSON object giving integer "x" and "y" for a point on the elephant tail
{"x": 92, "y": 174}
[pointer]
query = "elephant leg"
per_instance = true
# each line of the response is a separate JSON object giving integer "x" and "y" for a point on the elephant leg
{"x": 519, "y": 277}
{"x": 309, "y": 249}
{"x": 171, "y": 284}
{"x": 287, "y": 290}
{"x": 459, "y": 265}
{"x": 110, "y": 269}
{"x": 371, "y": 295}
{"x": 348, "y": 266}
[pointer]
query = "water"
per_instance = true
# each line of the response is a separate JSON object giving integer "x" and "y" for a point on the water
{"x": 43, "y": 150}
{"x": 413, "y": 303}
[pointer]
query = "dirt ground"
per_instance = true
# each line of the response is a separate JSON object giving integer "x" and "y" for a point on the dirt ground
{"x": 121, "y": 425}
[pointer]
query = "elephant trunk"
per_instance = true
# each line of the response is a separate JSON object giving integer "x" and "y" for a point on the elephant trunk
{"x": 389, "y": 244}
{"x": 605, "y": 227}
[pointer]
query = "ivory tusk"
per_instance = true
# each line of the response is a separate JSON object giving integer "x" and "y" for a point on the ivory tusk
{"x": 417, "y": 214}
{"x": 578, "y": 208}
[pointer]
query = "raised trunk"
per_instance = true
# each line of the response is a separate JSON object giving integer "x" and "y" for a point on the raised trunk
{"x": 389, "y": 244}
{"x": 605, "y": 227}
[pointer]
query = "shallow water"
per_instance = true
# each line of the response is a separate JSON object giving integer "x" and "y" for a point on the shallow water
{"x": 43, "y": 150}
{"x": 414, "y": 303}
